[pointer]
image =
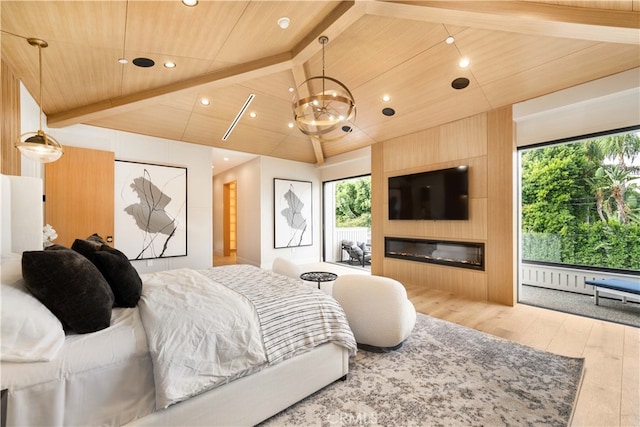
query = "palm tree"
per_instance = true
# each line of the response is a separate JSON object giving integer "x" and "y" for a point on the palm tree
{"x": 598, "y": 188}
{"x": 623, "y": 148}
{"x": 616, "y": 179}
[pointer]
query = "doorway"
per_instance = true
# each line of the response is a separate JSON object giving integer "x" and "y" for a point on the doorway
{"x": 229, "y": 218}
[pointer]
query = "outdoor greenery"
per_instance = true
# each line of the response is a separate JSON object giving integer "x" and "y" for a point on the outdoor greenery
{"x": 353, "y": 203}
{"x": 581, "y": 203}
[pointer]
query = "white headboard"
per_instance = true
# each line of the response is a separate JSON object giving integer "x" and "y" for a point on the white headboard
{"x": 21, "y": 214}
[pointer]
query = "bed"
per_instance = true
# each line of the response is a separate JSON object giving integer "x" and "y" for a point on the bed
{"x": 137, "y": 370}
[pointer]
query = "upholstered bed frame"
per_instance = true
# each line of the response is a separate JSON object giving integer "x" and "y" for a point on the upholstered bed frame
{"x": 246, "y": 401}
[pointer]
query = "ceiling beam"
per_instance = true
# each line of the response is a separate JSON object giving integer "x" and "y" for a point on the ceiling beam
{"x": 234, "y": 74}
{"x": 336, "y": 22}
{"x": 523, "y": 17}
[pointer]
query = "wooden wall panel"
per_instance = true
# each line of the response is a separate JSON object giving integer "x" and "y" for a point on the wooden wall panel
{"x": 500, "y": 252}
{"x": 485, "y": 143}
{"x": 379, "y": 207}
{"x": 470, "y": 283}
{"x": 79, "y": 190}
{"x": 475, "y": 229}
{"x": 10, "y": 121}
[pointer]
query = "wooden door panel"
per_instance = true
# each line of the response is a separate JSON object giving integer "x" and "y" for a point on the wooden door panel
{"x": 79, "y": 192}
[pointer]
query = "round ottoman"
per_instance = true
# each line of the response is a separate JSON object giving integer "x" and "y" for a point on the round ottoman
{"x": 377, "y": 308}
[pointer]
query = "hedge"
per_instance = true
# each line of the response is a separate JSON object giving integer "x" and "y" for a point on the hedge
{"x": 599, "y": 244}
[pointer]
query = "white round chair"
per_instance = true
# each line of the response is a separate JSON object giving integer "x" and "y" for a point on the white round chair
{"x": 286, "y": 268}
{"x": 377, "y": 308}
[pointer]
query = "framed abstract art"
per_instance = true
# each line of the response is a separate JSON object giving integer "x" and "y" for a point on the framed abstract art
{"x": 150, "y": 210}
{"x": 292, "y": 213}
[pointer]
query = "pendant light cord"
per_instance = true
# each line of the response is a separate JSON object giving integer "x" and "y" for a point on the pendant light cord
{"x": 323, "y": 67}
{"x": 40, "y": 96}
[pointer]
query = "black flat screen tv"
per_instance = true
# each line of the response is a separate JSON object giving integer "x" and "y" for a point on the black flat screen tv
{"x": 436, "y": 195}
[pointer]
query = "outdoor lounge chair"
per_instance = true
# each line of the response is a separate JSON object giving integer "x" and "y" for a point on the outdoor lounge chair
{"x": 357, "y": 252}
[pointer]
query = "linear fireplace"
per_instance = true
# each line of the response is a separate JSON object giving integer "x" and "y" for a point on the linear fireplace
{"x": 455, "y": 254}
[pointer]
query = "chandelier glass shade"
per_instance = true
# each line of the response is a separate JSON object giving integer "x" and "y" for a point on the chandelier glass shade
{"x": 324, "y": 108}
{"x": 38, "y": 145}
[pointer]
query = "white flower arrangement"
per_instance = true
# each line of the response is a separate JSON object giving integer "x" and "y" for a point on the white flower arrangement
{"x": 48, "y": 235}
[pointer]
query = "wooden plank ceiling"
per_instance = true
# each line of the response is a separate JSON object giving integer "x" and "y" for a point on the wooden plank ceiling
{"x": 226, "y": 50}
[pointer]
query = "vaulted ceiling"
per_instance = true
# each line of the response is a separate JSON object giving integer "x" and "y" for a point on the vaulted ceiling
{"x": 226, "y": 50}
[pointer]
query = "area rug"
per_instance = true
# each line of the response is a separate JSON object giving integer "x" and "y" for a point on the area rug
{"x": 446, "y": 375}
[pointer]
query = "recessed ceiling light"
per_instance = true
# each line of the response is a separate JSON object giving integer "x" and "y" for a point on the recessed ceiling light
{"x": 170, "y": 64}
{"x": 386, "y": 98}
{"x": 291, "y": 89}
{"x": 284, "y": 22}
{"x": 205, "y": 101}
{"x": 123, "y": 60}
{"x": 190, "y": 3}
{"x": 226, "y": 159}
{"x": 464, "y": 63}
{"x": 449, "y": 40}
{"x": 253, "y": 115}
{"x": 290, "y": 125}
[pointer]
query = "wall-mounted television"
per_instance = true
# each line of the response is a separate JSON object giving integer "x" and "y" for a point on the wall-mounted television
{"x": 437, "y": 195}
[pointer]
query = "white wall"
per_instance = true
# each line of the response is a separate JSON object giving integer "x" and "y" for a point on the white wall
{"x": 285, "y": 169}
{"x": 347, "y": 165}
{"x": 601, "y": 105}
{"x": 134, "y": 147}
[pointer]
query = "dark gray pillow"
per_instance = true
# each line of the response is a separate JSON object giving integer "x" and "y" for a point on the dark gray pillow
{"x": 95, "y": 237}
{"x": 88, "y": 246}
{"x": 120, "y": 274}
{"x": 55, "y": 247}
{"x": 71, "y": 287}
{"x": 357, "y": 249}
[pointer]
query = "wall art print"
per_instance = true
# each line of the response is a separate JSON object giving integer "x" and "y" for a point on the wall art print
{"x": 151, "y": 210}
{"x": 292, "y": 213}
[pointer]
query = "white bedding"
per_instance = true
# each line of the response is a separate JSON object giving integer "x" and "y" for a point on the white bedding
{"x": 200, "y": 333}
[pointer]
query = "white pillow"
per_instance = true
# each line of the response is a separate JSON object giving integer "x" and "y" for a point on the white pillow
{"x": 30, "y": 332}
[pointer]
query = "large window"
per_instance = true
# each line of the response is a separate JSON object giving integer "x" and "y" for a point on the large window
{"x": 347, "y": 215}
{"x": 581, "y": 202}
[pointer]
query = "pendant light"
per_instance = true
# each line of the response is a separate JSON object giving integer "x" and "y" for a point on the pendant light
{"x": 38, "y": 145}
{"x": 328, "y": 112}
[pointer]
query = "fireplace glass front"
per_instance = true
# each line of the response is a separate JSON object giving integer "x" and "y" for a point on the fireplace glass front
{"x": 455, "y": 254}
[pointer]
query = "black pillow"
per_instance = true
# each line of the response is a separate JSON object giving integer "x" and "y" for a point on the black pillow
{"x": 71, "y": 287}
{"x": 55, "y": 247}
{"x": 95, "y": 237}
{"x": 120, "y": 274}
{"x": 87, "y": 247}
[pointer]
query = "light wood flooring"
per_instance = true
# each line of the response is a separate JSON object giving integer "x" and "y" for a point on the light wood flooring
{"x": 610, "y": 392}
